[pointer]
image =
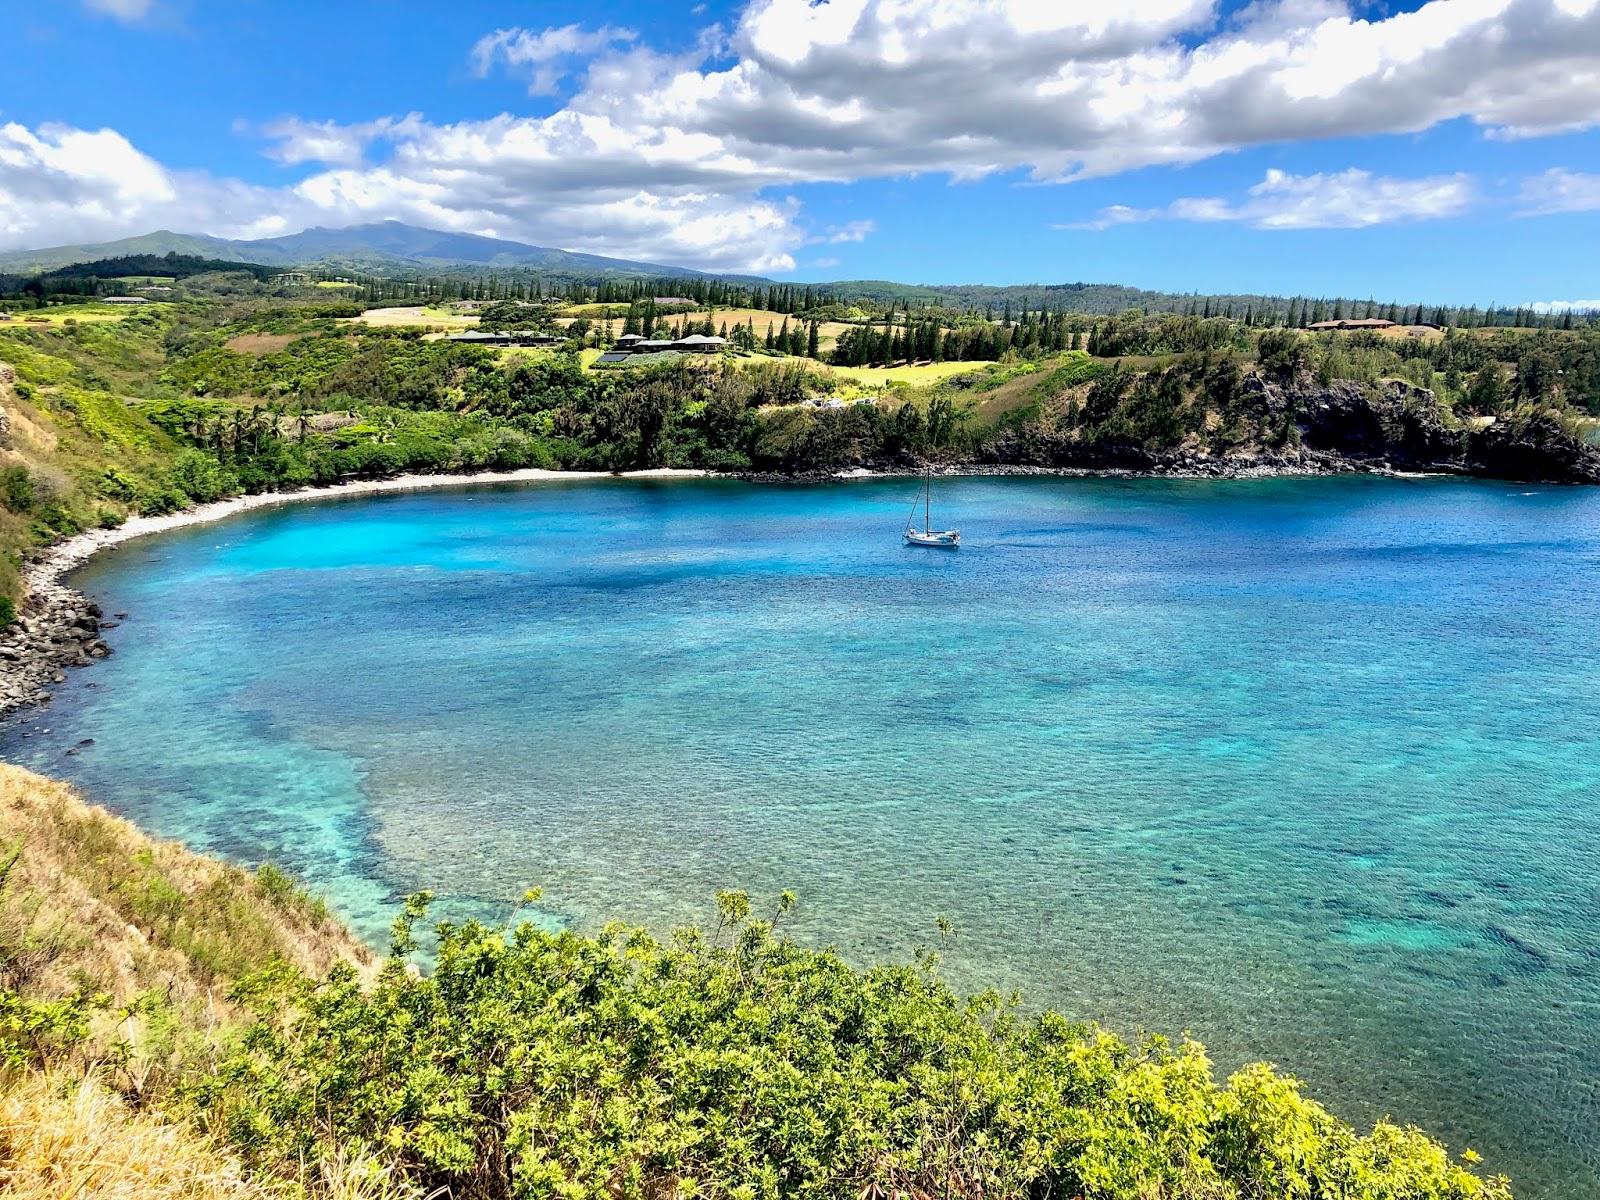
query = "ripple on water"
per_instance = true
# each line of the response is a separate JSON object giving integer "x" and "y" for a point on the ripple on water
{"x": 1304, "y": 766}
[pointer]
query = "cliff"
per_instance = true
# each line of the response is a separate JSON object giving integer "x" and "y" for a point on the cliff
{"x": 1265, "y": 427}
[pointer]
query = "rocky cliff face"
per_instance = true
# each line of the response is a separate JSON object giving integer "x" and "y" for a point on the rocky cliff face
{"x": 8, "y": 379}
{"x": 1342, "y": 426}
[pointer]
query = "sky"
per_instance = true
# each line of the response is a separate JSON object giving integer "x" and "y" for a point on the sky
{"x": 1446, "y": 151}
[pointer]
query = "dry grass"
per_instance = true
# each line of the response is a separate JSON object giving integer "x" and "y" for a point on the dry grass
{"x": 417, "y": 316}
{"x": 87, "y": 901}
{"x": 913, "y": 374}
{"x": 260, "y": 343}
{"x": 83, "y": 314}
{"x": 66, "y": 1135}
{"x": 827, "y": 333}
{"x": 92, "y": 900}
{"x": 72, "y": 1137}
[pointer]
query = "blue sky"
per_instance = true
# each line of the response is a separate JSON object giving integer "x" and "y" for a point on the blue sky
{"x": 1443, "y": 151}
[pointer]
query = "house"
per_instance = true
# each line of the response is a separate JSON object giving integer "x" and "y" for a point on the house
{"x": 124, "y": 300}
{"x": 509, "y": 337}
{"x": 695, "y": 343}
{"x": 1351, "y": 323}
{"x": 292, "y": 277}
{"x": 671, "y": 300}
{"x": 5, "y": 316}
{"x": 699, "y": 343}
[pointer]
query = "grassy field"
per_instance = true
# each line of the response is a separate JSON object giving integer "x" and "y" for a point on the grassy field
{"x": 84, "y": 314}
{"x": 827, "y": 333}
{"x": 334, "y": 283}
{"x": 586, "y": 356}
{"x": 418, "y": 315}
{"x": 913, "y": 374}
{"x": 259, "y": 343}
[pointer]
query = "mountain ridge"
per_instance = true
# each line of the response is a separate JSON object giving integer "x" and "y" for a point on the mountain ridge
{"x": 375, "y": 243}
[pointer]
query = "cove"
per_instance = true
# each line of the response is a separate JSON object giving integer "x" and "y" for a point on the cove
{"x": 1306, "y": 766}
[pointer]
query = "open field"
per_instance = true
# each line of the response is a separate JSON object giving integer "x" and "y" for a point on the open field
{"x": 827, "y": 333}
{"x": 84, "y": 314}
{"x": 259, "y": 343}
{"x": 585, "y": 356}
{"x": 334, "y": 283}
{"x": 416, "y": 315}
{"x": 913, "y": 374}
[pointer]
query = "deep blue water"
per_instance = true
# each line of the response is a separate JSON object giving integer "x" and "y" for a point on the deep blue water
{"x": 1307, "y": 767}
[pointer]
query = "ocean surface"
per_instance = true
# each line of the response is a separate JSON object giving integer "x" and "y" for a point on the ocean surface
{"x": 1310, "y": 768}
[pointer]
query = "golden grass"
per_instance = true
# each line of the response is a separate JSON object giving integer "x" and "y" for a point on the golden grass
{"x": 89, "y": 901}
{"x": 92, "y": 898}
{"x": 69, "y": 1135}
{"x": 72, "y": 1137}
{"x": 259, "y": 343}
{"x": 83, "y": 314}
{"x": 913, "y": 374}
{"x": 827, "y": 333}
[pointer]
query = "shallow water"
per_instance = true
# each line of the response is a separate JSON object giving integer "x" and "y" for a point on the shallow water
{"x": 1306, "y": 766}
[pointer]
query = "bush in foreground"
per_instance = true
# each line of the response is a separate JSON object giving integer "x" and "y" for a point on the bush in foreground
{"x": 737, "y": 1064}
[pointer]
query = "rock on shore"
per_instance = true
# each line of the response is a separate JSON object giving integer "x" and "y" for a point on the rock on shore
{"x": 58, "y": 629}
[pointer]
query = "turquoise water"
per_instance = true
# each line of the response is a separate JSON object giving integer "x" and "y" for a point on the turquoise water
{"x": 1308, "y": 767}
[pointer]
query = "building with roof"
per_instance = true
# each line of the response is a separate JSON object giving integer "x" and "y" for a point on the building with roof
{"x": 695, "y": 343}
{"x": 506, "y": 337}
{"x": 125, "y": 300}
{"x": 1351, "y": 323}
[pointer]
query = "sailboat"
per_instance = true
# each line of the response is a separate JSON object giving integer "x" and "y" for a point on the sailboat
{"x": 938, "y": 539}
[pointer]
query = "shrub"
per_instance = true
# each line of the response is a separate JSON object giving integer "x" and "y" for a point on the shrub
{"x": 8, "y": 612}
{"x": 532, "y": 1063}
{"x": 16, "y": 489}
{"x": 201, "y": 478}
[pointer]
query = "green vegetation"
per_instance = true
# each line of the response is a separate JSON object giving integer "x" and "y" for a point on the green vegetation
{"x": 236, "y": 387}
{"x": 518, "y": 1061}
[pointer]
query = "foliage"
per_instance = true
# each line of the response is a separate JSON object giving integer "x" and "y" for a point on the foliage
{"x": 736, "y": 1063}
{"x": 154, "y": 411}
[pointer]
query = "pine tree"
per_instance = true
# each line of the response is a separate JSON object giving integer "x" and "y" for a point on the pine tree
{"x": 811, "y": 334}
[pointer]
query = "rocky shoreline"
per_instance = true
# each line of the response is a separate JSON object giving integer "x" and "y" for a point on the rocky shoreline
{"x": 60, "y": 629}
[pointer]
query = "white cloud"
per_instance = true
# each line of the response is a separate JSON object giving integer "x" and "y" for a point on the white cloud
{"x": 688, "y": 157}
{"x": 1560, "y": 191}
{"x": 299, "y": 141}
{"x": 130, "y": 11}
{"x": 58, "y": 183}
{"x": 1352, "y": 199}
{"x": 1557, "y": 306}
{"x": 542, "y": 57}
{"x": 850, "y": 231}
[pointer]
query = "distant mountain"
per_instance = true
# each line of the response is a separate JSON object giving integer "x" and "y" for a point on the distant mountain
{"x": 386, "y": 244}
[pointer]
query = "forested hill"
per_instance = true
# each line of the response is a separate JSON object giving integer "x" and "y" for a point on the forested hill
{"x": 389, "y": 257}
{"x": 387, "y": 245}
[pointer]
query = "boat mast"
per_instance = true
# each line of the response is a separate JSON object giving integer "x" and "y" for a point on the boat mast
{"x": 927, "y": 503}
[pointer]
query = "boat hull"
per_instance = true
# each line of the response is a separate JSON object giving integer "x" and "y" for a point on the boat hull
{"x": 949, "y": 539}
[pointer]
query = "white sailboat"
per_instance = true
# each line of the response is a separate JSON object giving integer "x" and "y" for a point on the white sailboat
{"x": 937, "y": 539}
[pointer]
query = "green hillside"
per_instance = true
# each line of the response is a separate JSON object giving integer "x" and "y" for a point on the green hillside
{"x": 235, "y": 388}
